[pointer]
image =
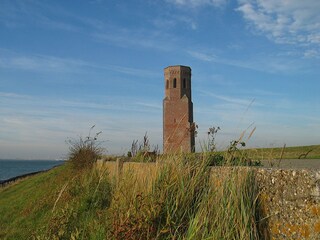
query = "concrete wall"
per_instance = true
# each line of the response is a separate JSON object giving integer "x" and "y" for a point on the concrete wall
{"x": 291, "y": 202}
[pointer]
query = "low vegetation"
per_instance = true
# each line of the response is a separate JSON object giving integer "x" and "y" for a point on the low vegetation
{"x": 141, "y": 151}
{"x": 184, "y": 201}
{"x": 84, "y": 152}
{"x": 178, "y": 200}
{"x": 301, "y": 152}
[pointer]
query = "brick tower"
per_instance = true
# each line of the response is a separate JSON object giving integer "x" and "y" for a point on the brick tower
{"x": 178, "y": 126}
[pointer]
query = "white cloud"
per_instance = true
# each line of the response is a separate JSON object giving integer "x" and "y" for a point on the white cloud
{"x": 198, "y": 3}
{"x": 312, "y": 53}
{"x": 291, "y": 22}
{"x": 228, "y": 99}
{"x": 39, "y": 62}
{"x": 202, "y": 56}
{"x": 171, "y": 21}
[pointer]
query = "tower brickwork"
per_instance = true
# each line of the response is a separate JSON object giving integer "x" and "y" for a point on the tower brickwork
{"x": 178, "y": 126}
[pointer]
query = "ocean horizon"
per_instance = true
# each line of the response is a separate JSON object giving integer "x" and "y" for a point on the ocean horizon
{"x": 10, "y": 168}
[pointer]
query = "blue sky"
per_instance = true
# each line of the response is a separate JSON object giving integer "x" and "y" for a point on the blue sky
{"x": 67, "y": 65}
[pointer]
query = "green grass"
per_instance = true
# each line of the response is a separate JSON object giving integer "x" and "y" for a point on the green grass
{"x": 24, "y": 205}
{"x": 37, "y": 208}
{"x": 179, "y": 199}
{"x": 313, "y": 152}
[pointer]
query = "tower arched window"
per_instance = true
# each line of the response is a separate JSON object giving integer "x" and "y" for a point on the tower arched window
{"x": 167, "y": 84}
{"x": 174, "y": 83}
{"x": 184, "y": 83}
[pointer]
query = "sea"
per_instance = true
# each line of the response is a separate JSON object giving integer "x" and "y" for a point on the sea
{"x": 14, "y": 168}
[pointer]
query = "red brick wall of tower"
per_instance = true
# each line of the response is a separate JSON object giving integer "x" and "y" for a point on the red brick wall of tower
{"x": 177, "y": 110}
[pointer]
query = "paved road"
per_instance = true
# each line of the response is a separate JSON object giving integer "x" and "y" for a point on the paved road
{"x": 293, "y": 163}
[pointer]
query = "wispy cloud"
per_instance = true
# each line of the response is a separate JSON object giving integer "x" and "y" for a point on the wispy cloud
{"x": 198, "y": 3}
{"x": 156, "y": 106}
{"x": 312, "y": 53}
{"x": 170, "y": 21}
{"x": 290, "y": 22}
{"x": 14, "y": 95}
{"x": 264, "y": 63}
{"x": 136, "y": 38}
{"x": 52, "y": 16}
{"x": 43, "y": 122}
{"x": 45, "y": 63}
{"x": 124, "y": 104}
{"x": 17, "y": 13}
{"x": 202, "y": 56}
{"x": 40, "y": 63}
{"x": 225, "y": 98}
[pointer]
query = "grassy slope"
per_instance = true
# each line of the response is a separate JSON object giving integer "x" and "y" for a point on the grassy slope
{"x": 24, "y": 205}
{"x": 288, "y": 153}
{"x": 172, "y": 207}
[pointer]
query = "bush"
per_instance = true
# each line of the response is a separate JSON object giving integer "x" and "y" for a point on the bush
{"x": 141, "y": 152}
{"x": 83, "y": 153}
{"x": 215, "y": 159}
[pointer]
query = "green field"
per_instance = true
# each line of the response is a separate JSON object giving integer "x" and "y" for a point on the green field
{"x": 309, "y": 152}
{"x": 24, "y": 205}
{"x": 52, "y": 205}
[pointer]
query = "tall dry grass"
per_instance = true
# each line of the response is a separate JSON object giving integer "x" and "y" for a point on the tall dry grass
{"x": 179, "y": 197}
{"x": 182, "y": 199}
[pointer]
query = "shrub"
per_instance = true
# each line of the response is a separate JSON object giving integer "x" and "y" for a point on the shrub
{"x": 84, "y": 152}
{"x": 235, "y": 156}
{"x": 141, "y": 152}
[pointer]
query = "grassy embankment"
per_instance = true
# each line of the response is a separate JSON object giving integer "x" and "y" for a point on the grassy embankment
{"x": 178, "y": 199}
{"x": 309, "y": 152}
